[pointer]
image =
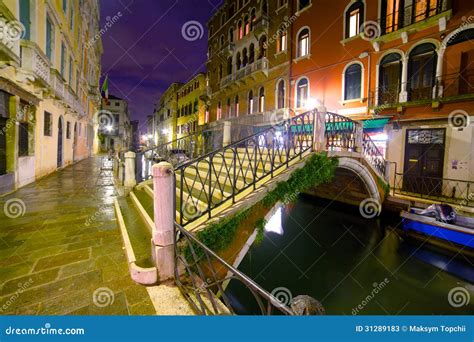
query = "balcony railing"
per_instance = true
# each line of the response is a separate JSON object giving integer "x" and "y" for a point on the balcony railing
{"x": 413, "y": 14}
{"x": 35, "y": 61}
{"x": 259, "y": 65}
{"x": 456, "y": 85}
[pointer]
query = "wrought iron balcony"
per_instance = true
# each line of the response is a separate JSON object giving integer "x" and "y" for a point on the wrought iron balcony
{"x": 458, "y": 85}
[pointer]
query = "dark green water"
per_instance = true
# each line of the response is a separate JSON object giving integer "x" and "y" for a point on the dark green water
{"x": 330, "y": 252}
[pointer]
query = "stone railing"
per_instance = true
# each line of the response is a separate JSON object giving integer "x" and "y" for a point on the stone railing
{"x": 35, "y": 61}
{"x": 259, "y": 65}
{"x": 10, "y": 38}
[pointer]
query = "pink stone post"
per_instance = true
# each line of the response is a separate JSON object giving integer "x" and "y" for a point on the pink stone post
{"x": 162, "y": 235}
{"x": 318, "y": 131}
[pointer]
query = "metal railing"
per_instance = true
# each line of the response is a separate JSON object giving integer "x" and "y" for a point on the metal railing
{"x": 412, "y": 14}
{"x": 457, "y": 84}
{"x": 202, "y": 276}
{"x": 340, "y": 133}
{"x": 175, "y": 152}
{"x": 447, "y": 190}
{"x": 208, "y": 181}
{"x": 373, "y": 155}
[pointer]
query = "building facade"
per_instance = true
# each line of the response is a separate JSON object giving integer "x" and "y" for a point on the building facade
{"x": 191, "y": 111}
{"x": 249, "y": 61}
{"x": 49, "y": 73}
{"x": 115, "y": 129}
{"x": 405, "y": 68}
{"x": 166, "y": 115}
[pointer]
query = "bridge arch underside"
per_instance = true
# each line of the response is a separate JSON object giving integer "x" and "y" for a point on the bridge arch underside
{"x": 352, "y": 183}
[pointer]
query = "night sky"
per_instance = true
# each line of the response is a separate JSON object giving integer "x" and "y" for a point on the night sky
{"x": 144, "y": 51}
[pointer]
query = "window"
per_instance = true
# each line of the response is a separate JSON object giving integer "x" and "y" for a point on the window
{"x": 63, "y": 59}
{"x": 238, "y": 61}
{"x": 246, "y": 25}
{"x": 236, "y": 103}
{"x": 354, "y": 19}
{"x": 219, "y": 111}
{"x": 49, "y": 39}
{"x": 221, "y": 42}
{"x": 47, "y": 129}
{"x": 220, "y": 72}
{"x": 302, "y": 4}
{"x": 25, "y": 17}
{"x": 68, "y": 130}
{"x": 253, "y": 19}
{"x": 390, "y": 74}
{"x": 71, "y": 17}
{"x": 251, "y": 53}
{"x": 421, "y": 72}
{"x": 281, "y": 46}
{"x": 196, "y": 106}
{"x": 303, "y": 43}
{"x": 231, "y": 11}
{"x": 231, "y": 35}
{"x": 262, "y": 47}
{"x": 353, "y": 82}
{"x": 261, "y": 100}
{"x": 250, "y": 103}
{"x": 240, "y": 30}
{"x": 302, "y": 92}
{"x": 23, "y": 139}
{"x": 281, "y": 94}
{"x": 245, "y": 58}
{"x": 65, "y": 6}
{"x": 70, "y": 71}
{"x": 229, "y": 66}
{"x": 229, "y": 109}
{"x": 223, "y": 19}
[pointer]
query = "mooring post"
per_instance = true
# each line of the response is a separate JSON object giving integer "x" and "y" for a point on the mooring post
{"x": 130, "y": 180}
{"x": 163, "y": 230}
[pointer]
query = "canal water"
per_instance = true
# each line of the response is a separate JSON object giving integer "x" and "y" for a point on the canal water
{"x": 352, "y": 265}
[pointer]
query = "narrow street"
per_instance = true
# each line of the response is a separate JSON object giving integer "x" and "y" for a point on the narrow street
{"x": 60, "y": 247}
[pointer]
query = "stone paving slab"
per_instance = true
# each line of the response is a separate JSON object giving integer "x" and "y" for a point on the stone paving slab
{"x": 63, "y": 254}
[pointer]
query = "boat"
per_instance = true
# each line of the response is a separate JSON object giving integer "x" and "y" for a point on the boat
{"x": 456, "y": 236}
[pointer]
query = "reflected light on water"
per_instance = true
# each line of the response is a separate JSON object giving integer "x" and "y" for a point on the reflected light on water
{"x": 274, "y": 224}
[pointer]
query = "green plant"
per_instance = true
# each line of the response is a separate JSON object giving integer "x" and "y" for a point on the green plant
{"x": 384, "y": 185}
{"x": 260, "y": 226}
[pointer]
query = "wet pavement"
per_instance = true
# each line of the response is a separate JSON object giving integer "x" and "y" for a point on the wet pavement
{"x": 61, "y": 250}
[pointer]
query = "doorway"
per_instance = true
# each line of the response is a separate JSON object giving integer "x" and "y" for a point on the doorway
{"x": 424, "y": 161}
{"x": 60, "y": 142}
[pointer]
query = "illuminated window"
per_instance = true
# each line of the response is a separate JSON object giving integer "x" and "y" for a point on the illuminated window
{"x": 261, "y": 100}
{"x": 281, "y": 94}
{"x": 281, "y": 42}
{"x": 250, "y": 103}
{"x": 354, "y": 19}
{"x": 303, "y": 43}
{"x": 302, "y": 92}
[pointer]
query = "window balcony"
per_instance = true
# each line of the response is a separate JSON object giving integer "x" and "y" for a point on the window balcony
{"x": 410, "y": 15}
{"x": 57, "y": 84}
{"x": 261, "y": 25}
{"x": 33, "y": 60}
{"x": 260, "y": 65}
{"x": 9, "y": 42}
{"x": 227, "y": 50}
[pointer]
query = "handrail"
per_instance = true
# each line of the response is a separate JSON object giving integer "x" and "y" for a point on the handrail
{"x": 219, "y": 176}
{"x": 204, "y": 286}
{"x": 373, "y": 155}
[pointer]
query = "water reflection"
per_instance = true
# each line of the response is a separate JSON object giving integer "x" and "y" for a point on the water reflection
{"x": 333, "y": 254}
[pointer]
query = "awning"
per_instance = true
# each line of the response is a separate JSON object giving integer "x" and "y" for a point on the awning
{"x": 375, "y": 125}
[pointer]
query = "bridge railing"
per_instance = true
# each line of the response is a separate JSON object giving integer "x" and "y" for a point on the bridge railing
{"x": 208, "y": 181}
{"x": 340, "y": 133}
{"x": 373, "y": 155}
{"x": 203, "y": 276}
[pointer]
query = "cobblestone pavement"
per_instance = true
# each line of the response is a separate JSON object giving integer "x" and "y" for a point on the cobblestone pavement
{"x": 61, "y": 251}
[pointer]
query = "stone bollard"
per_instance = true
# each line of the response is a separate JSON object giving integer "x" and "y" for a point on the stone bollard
{"x": 130, "y": 180}
{"x": 359, "y": 138}
{"x": 164, "y": 209}
{"x": 227, "y": 133}
{"x": 120, "y": 171}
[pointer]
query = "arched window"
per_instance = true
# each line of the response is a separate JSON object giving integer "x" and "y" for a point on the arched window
{"x": 302, "y": 92}
{"x": 265, "y": 7}
{"x": 222, "y": 41}
{"x": 354, "y": 19}
{"x": 281, "y": 44}
{"x": 421, "y": 72}
{"x": 303, "y": 43}
{"x": 251, "y": 53}
{"x": 240, "y": 30}
{"x": 229, "y": 108}
{"x": 353, "y": 82}
{"x": 231, "y": 35}
{"x": 245, "y": 58}
{"x": 231, "y": 11}
{"x": 236, "y": 104}
{"x": 223, "y": 19}
{"x": 246, "y": 25}
{"x": 229, "y": 65}
{"x": 238, "y": 61}
{"x": 261, "y": 100}
{"x": 262, "y": 47}
{"x": 220, "y": 72}
{"x": 219, "y": 110}
{"x": 253, "y": 19}
{"x": 250, "y": 103}
{"x": 281, "y": 94}
{"x": 390, "y": 73}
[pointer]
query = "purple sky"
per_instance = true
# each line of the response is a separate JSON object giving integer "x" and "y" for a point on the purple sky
{"x": 144, "y": 51}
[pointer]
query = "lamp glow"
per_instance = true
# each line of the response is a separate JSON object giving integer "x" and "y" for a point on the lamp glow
{"x": 311, "y": 103}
